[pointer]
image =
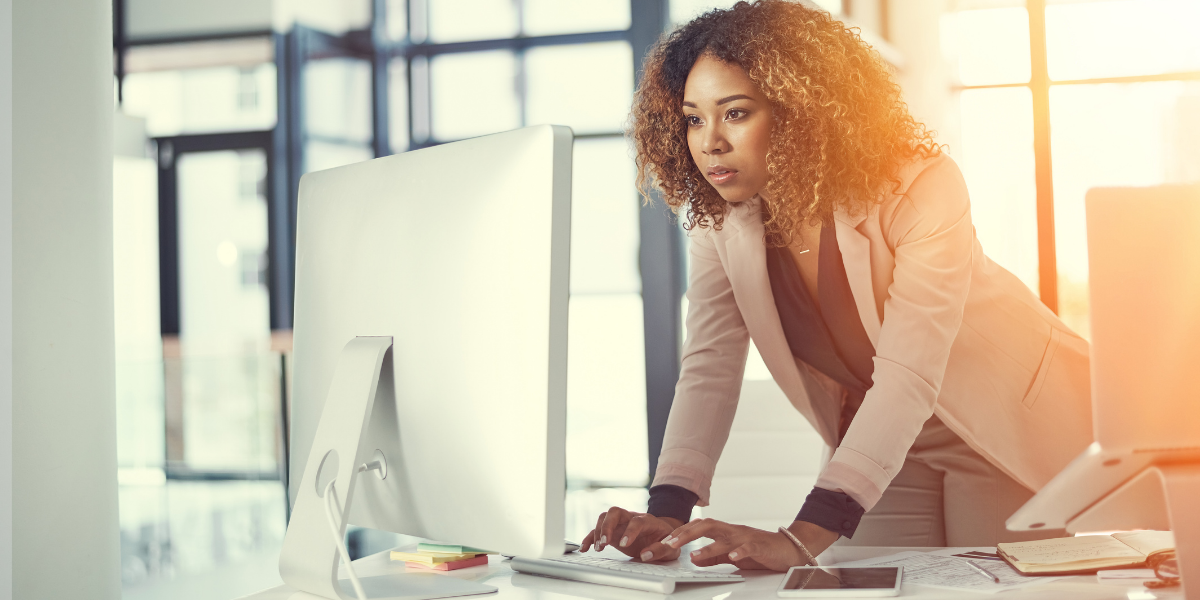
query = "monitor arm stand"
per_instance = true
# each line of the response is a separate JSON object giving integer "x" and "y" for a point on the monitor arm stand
{"x": 1140, "y": 496}
{"x": 309, "y": 559}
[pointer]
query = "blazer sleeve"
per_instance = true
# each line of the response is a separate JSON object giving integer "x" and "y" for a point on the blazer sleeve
{"x": 710, "y": 379}
{"x": 930, "y": 233}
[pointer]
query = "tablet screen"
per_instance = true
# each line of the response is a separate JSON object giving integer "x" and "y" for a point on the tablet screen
{"x": 851, "y": 578}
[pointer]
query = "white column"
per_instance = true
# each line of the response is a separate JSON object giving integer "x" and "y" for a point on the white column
{"x": 65, "y": 532}
{"x": 6, "y": 299}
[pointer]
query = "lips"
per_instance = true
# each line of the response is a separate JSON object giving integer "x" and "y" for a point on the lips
{"x": 719, "y": 174}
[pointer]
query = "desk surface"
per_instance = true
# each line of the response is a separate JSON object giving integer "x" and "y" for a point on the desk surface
{"x": 759, "y": 585}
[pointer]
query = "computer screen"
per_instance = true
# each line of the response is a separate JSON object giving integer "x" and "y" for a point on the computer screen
{"x": 459, "y": 253}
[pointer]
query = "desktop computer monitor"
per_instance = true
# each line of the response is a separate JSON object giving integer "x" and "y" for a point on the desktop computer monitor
{"x": 1143, "y": 470}
{"x": 459, "y": 254}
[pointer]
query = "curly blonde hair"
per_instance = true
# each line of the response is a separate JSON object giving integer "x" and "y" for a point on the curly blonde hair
{"x": 840, "y": 131}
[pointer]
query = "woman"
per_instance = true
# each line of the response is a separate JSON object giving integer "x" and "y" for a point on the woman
{"x": 826, "y": 225}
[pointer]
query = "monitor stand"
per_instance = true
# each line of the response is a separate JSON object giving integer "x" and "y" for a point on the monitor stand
{"x": 309, "y": 560}
{"x": 1136, "y": 504}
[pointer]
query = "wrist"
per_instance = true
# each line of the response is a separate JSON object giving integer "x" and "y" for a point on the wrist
{"x": 798, "y": 558}
{"x": 815, "y": 537}
{"x": 806, "y": 556}
{"x": 672, "y": 522}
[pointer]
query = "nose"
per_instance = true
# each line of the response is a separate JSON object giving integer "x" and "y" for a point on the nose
{"x": 714, "y": 141}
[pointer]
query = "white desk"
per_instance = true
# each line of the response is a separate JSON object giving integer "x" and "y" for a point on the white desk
{"x": 759, "y": 585}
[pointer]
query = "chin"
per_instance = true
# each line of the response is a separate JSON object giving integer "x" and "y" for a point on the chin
{"x": 736, "y": 198}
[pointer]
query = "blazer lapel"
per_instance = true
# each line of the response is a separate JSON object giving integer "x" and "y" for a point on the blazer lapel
{"x": 746, "y": 266}
{"x": 747, "y": 271}
{"x": 856, "y": 256}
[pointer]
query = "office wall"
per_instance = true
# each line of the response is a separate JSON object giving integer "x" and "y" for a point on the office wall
{"x": 914, "y": 29}
{"x": 5, "y": 299}
{"x": 165, "y": 18}
{"x": 65, "y": 535}
{"x": 161, "y": 18}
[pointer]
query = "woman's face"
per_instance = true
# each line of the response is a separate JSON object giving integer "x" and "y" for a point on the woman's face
{"x": 729, "y": 127}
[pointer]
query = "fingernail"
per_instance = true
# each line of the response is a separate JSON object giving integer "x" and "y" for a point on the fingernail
{"x": 733, "y": 555}
{"x": 624, "y": 541}
{"x": 603, "y": 540}
{"x": 673, "y": 542}
{"x": 647, "y": 554}
{"x": 665, "y": 540}
{"x": 695, "y": 553}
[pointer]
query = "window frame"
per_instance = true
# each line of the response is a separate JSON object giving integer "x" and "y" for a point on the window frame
{"x": 1040, "y": 85}
{"x": 661, "y": 253}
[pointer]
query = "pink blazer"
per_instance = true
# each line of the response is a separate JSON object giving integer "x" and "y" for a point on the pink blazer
{"x": 955, "y": 335}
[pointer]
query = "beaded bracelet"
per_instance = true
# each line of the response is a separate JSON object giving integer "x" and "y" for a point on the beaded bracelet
{"x": 812, "y": 562}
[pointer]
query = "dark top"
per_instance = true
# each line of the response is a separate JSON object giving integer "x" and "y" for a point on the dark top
{"x": 832, "y": 340}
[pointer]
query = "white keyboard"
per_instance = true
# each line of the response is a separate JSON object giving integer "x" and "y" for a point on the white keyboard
{"x": 621, "y": 573}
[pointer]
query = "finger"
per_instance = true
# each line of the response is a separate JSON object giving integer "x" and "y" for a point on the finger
{"x": 749, "y": 550}
{"x": 690, "y": 532}
{"x": 658, "y": 551}
{"x": 720, "y": 559}
{"x": 614, "y": 524}
{"x": 587, "y": 541}
{"x": 753, "y": 555}
{"x": 633, "y": 530}
{"x": 595, "y": 534}
{"x": 750, "y": 563}
{"x": 711, "y": 551}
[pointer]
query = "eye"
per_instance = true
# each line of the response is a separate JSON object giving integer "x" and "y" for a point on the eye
{"x": 735, "y": 113}
{"x": 692, "y": 120}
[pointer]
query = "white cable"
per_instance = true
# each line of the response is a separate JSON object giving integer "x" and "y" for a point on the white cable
{"x": 335, "y": 529}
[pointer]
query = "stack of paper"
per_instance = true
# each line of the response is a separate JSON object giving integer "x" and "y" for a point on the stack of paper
{"x": 948, "y": 568}
{"x": 442, "y": 557}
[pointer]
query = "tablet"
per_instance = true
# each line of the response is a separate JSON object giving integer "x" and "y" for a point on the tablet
{"x": 840, "y": 582}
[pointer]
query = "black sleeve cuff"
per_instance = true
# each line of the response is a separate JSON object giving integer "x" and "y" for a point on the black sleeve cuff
{"x": 834, "y": 511}
{"x": 672, "y": 501}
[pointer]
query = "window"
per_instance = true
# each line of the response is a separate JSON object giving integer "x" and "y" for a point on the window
{"x": 473, "y": 93}
{"x": 683, "y": 11}
{"x": 1104, "y": 93}
{"x": 587, "y": 86}
{"x": 482, "y": 70}
{"x": 197, "y": 87}
{"x": 228, "y": 419}
{"x": 1113, "y": 134}
{"x": 1100, "y": 39}
{"x": 997, "y": 162}
{"x": 337, "y": 112}
{"x": 606, "y": 383}
{"x": 434, "y": 71}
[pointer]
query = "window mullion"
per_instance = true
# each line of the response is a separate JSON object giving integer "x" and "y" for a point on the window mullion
{"x": 1039, "y": 84}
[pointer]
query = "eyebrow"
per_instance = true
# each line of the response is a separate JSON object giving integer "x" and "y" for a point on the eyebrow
{"x": 724, "y": 100}
{"x": 729, "y": 99}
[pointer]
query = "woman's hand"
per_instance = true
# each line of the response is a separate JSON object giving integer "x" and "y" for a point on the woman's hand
{"x": 747, "y": 547}
{"x": 635, "y": 534}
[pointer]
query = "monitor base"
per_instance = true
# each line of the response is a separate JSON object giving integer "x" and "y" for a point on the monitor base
{"x": 1179, "y": 486}
{"x": 1139, "y": 502}
{"x": 309, "y": 559}
{"x": 415, "y": 586}
{"x": 1181, "y": 483}
{"x": 408, "y": 586}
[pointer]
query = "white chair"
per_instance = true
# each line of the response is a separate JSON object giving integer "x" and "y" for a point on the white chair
{"x": 770, "y": 463}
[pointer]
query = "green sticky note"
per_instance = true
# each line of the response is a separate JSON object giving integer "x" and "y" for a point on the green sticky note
{"x": 450, "y": 549}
